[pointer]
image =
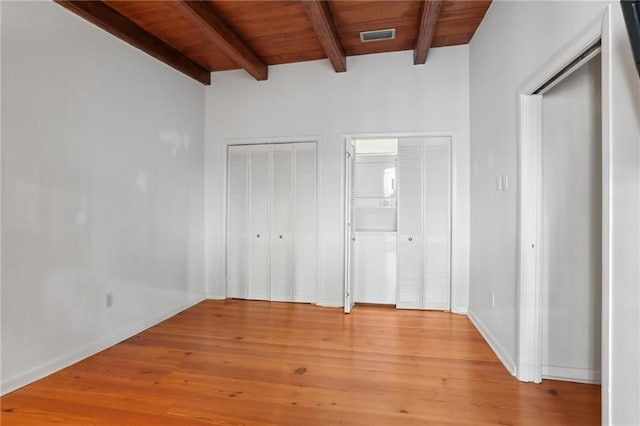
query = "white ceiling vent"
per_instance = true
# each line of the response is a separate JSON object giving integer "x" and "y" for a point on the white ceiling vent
{"x": 376, "y": 35}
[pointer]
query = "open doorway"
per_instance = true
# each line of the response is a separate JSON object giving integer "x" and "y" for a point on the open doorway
{"x": 398, "y": 213}
{"x": 374, "y": 219}
{"x": 563, "y": 215}
{"x": 571, "y": 225}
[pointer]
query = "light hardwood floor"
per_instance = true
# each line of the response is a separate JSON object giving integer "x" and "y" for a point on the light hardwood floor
{"x": 248, "y": 363}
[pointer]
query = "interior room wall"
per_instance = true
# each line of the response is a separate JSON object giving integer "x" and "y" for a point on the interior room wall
{"x": 623, "y": 296}
{"x": 382, "y": 93}
{"x": 572, "y": 226}
{"x": 102, "y": 190}
{"x": 513, "y": 41}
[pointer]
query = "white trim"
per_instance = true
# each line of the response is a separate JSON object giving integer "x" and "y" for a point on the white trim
{"x": 462, "y": 310}
{"x": 348, "y": 295}
{"x": 269, "y": 140}
{"x": 319, "y": 256}
{"x": 215, "y": 296}
{"x": 566, "y": 73}
{"x": 1, "y": 385}
{"x": 494, "y": 344}
{"x": 399, "y": 135}
{"x": 38, "y": 372}
{"x": 563, "y": 57}
{"x": 569, "y": 374}
{"x": 529, "y": 250}
{"x": 607, "y": 207}
{"x": 330, "y": 303}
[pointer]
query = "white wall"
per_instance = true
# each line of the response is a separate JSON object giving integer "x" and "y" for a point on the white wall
{"x": 572, "y": 226}
{"x": 102, "y": 187}
{"x": 381, "y": 93}
{"x": 623, "y": 310}
{"x": 513, "y": 41}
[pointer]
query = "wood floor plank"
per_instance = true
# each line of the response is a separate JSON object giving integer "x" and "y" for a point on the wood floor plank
{"x": 258, "y": 363}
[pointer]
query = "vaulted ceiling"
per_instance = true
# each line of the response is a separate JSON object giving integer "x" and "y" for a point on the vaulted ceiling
{"x": 198, "y": 37}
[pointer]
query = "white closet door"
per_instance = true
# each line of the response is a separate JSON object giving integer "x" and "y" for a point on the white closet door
{"x": 282, "y": 223}
{"x": 410, "y": 210}
{"x": 304, "y": 222}
{"x": 350, "y": 200}
{"x": 237, "y": 221}
{"x": 259, "y": 218}
{"x": 437, "y": 223}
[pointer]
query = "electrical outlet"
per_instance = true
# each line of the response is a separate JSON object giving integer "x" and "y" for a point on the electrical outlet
{"x": 493, "y": 300}
{"x": 109, "y": 300}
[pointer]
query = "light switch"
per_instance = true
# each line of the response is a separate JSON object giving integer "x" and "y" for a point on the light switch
{"x": 498, "y": 183}
{"x": 505, "y": 182}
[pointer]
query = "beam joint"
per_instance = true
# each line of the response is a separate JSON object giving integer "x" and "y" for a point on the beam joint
{"x": 428, "y": 22}
{"x": 322, "y": 20}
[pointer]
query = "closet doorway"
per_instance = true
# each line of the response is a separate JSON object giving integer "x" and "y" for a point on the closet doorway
{"x": 398, "y": 222}
{"x": 271, "y": 222}
{"x": 571, "y": 225}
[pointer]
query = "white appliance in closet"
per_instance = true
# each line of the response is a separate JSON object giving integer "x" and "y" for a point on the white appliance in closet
{"x": 271, "y": 222}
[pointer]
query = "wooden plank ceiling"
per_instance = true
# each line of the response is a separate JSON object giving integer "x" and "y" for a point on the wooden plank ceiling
{"x": 198, "y": 37}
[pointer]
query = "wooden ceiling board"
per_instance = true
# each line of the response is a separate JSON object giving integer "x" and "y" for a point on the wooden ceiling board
{"x": 280, "y": 31}
{"x": 462, "y": 26}
{"x": 458, "y": 5}
{"x": 161, "y": 20}
{"x": 450, "y": 40}
{"x": 374, "y": 13}
{"x": 353, "y": 17}
{"x": 462, "y": 14}
{"x": 210, "y": 57}
{"x": 271, "y": 29}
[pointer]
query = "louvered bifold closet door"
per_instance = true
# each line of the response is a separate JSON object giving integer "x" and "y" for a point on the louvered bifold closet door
{"x": 237, "y": 221}
{"x": 260, "y": 222}
{"x": 304, "y": 222}
{"x": 437, "y": 223}
{"x": 410, "y": 211}
{"x": 282, "y": 222}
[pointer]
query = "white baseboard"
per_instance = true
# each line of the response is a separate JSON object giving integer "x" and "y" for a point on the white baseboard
{"x": 38, "y": 372}
{"x": 493, "y": 343}
{"x": 322, "y": 303}
{"x": 460, "y": 310}
{"x": 569, "y": 374}
{"x": 327, "y": 303}
{"x": 216, "y": 296}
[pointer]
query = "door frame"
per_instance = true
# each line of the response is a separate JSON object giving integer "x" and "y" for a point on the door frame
{"x": 271, "y": 141}
{"x": 457, "y": 258}
{"x": 529, "y": 280}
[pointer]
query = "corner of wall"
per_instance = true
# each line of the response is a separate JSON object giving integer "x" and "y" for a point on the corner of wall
{"x": 495, "y": 345}
{"x": 38, "y": 372}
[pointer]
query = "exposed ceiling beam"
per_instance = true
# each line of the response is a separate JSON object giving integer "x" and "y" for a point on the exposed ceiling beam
{"x": 428, "y": 21}
{"x": 202, "y": 16}
{"x": 111, "y": 21}
{"x": 320, "y": 15}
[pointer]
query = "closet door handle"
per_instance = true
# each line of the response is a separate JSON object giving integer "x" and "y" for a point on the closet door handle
{"x": 410, "y": 238}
